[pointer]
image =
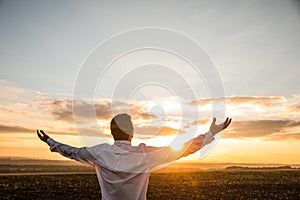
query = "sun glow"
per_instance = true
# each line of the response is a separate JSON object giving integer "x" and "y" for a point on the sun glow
{"x": 176, "y": 146}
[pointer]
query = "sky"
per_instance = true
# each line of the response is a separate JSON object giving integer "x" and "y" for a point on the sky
{"x": 54, "y": 76}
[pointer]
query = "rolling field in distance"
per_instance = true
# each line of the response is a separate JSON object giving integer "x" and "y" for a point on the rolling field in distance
{"x": 273, "y": 184}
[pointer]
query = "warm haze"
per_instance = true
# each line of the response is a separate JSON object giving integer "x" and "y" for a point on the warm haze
{"x": 255, "y": 46}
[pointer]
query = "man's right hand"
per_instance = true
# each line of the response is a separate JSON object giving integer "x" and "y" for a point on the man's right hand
{"x": 42, "y": 135}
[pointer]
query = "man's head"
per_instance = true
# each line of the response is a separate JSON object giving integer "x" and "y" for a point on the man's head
{"x": 121, "y": 127}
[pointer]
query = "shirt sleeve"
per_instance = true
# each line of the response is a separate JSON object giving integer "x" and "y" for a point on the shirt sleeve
{"x": 80, "y": 154}
{"x": 197, "y": 143}
{"x": 208, "y": 138}
{"x": 158, "y": 157}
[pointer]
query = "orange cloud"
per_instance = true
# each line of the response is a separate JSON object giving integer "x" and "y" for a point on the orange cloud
{"x": 14, "y": 129}
{"x": 294, "y": 108}
{"x": 62, "y": 109}
{"x": 265, "y": 101}
{"x": 5, "y": 129}
{"x": 264, "y": 129}
{"x": 35, "y": 110}
{"x": 200, "y": 122}
{"x": 157, "y": 131}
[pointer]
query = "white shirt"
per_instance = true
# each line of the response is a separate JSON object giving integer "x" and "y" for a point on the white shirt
{"x": 123, "y": 170}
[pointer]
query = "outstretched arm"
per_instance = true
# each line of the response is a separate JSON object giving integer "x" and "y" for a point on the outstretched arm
{"x": 79, "y": 154}
{"x": 158, "y": 156}
{"x": 197, "y": 143}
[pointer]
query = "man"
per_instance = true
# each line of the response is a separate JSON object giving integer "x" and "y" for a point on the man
{"x": 123, "y": 170}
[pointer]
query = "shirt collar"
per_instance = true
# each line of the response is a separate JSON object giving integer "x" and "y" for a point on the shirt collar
{"x": 122, "y": 142}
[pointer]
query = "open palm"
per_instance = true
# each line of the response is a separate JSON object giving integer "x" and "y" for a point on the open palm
{"x": 42, "y": 135}
{"x": 216, "y": 128}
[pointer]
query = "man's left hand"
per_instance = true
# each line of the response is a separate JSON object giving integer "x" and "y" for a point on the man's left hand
{"x": 42, "y": 135}
{"x": 216, "y": 128}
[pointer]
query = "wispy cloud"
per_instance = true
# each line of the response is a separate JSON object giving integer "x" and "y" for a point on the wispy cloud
{"x": 4, "y": 129}
{"x": 101, "y": 109}
{"x": 200, "y": 122}
{"x": 263, "y": 117}
{"x": 264, "y": 129}
{"x": 265, "y": 101}
{"x": 14, "y": 129}
{"x": 157, "y": 131}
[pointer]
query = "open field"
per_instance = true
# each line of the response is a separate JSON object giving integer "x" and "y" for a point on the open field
{"x": 280, "y": 184}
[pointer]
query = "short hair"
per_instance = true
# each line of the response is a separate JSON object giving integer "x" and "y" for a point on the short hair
{"x": 121, "y": 127}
